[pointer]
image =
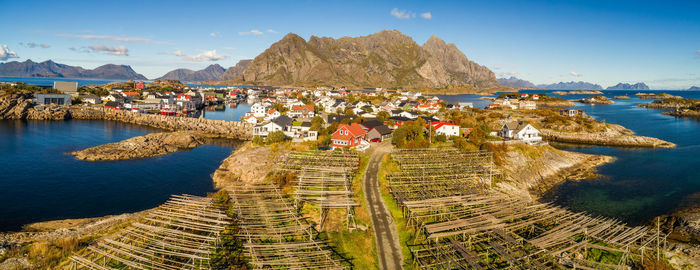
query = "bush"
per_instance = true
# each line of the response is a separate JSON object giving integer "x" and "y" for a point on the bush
{"x": 276, "y": 136}
{"x": 258, "y": 140}
{"x": 441, "y": 138}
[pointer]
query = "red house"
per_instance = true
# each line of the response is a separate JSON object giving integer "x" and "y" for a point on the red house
{"x": 139, "y": 85}
{"x": 348, "y": 135}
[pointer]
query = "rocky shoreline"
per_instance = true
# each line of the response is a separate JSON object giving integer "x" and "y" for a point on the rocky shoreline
{"x": 21, "y": 107}
{"x": 149, "y": 145}
{"x": 596, "y": 100}
{"x": 606, "y": 139}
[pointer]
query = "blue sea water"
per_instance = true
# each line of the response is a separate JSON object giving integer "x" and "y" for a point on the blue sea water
{"x": 641, "y": 183}
{"x": 40, "y": 180}
{"x": 231, "y": 112}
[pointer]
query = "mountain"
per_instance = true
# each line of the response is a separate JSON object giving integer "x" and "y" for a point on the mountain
{"x": 571, "y": 86}
{"x": 237, "y": 70}
{"x": 694, "y": 88}
{"x": 52, "y": 69}
{"x": 212, "y": 72}
{"x": 514, "y": 82}
{"x": 627, "y": 86}
{"x": 384, "y": 59}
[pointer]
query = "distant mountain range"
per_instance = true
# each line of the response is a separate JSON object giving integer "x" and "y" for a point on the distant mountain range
{"x": 212, "y": 72}
{"x": 384, "y": 59}
{"x": 514, "y": 82}
{"x": 237, "y": 70}
{"x": 627, "y": 86}
{"x": 52, "y": 69}
{"x": 694, "y": 88}
{"x": 571, "y": 86}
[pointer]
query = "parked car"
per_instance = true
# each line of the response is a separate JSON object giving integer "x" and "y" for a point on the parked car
{"x": 376, "y": 140}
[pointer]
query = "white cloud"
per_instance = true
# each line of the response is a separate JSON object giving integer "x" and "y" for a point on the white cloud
{"x": 6, "y": 53}
{"x": 698, "y": 53}
{"x": 255, "y": 32}
{"x": 507, "y": 74}
{"x": 121, "y": 39}
{"x": 575, "y": 74}
{"x": 116, "y": 51}
{"x": 207, "y": 56}
{"x": 178, "y": 53}
{"x": 272, "y": 31}
{"x": 402, "y": 14}
{"x": 34, "y": 45}
{"x": 426, "y": 15}
{"x": 214, "y": 34}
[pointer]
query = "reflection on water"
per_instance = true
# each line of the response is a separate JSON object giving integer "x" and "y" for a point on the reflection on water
{"x": 39, "y": 180}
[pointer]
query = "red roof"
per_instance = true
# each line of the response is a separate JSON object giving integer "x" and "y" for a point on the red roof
{"x": 440, "y": 124}
{"x": 185, "y": 96}
{"x": 302, "y": 107}
{"x": 271, "y": 111}
{"x": 355, "y": 130}
{"x": 131, "y": 93}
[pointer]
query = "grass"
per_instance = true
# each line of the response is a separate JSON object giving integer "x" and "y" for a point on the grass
{"x": 355, "y": 244}
{"x": 406, "y": 234}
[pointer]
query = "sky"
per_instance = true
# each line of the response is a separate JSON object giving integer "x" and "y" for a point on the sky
{"x": 603, "y": 42}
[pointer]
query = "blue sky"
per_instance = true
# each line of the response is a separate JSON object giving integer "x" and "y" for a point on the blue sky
{"x": 604, "y": 42}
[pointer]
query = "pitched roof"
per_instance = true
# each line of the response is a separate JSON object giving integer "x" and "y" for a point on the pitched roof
{"x": 355, "y": 129}
{"x": 440, "y": 124}
{"x": 303, "y": 107}
{"x": 383, "y": 129}
{"x": 282, "y": 120}
{"x": 372, "y": 122}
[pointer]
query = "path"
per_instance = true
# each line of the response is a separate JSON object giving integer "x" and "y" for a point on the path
{"x": 386, "y": 237}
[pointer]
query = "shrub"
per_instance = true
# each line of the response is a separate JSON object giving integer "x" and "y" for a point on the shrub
{"x": 441, "y": 138}
{"x": 276, "y": 136}
{"x": 258, "y": 140}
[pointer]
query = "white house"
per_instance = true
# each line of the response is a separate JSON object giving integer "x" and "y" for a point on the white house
{"x": 278, "y": 124}
{"x": 445, "y": 128}
{"x": 520, "y": 131}
{"x": 258, "y": 110}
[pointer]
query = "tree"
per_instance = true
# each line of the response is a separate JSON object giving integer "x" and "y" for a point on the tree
{"x": 383, "y": 116}
{"x": 316, "y": 123}
{"x": 258, "y": 140}
{"x": 441, "y": 138}
{"x": 410, "y": 135}
{"x": 348, "y": 111}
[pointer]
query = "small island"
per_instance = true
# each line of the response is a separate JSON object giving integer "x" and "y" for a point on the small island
{"x": 683, "y": 107}
{"x": 596, "y": 100}
{"x": 621, "y": 97}
{"x": 656, "y": 96}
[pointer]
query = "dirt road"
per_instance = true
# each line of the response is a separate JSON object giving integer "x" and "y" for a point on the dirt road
{"x": 388, "y": 247}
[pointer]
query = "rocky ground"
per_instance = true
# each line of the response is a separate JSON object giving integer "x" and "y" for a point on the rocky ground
{"x": 154, "y": 144}
{"x": 609, "y": 137}
{"x": 21, "y": 106}
{"x": 596, "y": 100}
{"x": 657, "y": 96}
{"x": 247, "y": 164}
{"x": 532, "y": 170}
{"x": 621, "y": 97}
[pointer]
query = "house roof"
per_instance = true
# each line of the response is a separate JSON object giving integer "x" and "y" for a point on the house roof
{"x": 400, "y": 118}
{"x": 339, "y": 118}
{"x": 282, "y": 120}
{"x": 355, "y": 129}
{"x": 111, "y": 104}
{"x": 372, "y": 122}
{"x": 383, "y": 129}
{"x": 440, "y": 124}
{"x": 303, "y": 107}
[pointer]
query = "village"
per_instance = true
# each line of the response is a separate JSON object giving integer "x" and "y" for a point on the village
{"x": 332, "y": 118}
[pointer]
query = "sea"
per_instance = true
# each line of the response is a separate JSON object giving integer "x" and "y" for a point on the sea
{"x": 640, "y": 184}
{"x": 40, "y": 180}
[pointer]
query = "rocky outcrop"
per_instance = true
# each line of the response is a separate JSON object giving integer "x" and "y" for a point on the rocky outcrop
{"x": 384, "y": 59}
{"x": 247, "y": 164}
{"x": 597, "y": 100}
{"x": 21, "y": 107}
{"x": 578, "y": 92}
{"x": 614, "y": 135}
{"x": 657, "y": 96}
{"x": 219, "y": 128}
{"x": 621, "y": 97}
{"x": 532, "y": 170}
{"x": 150, "y": 145}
